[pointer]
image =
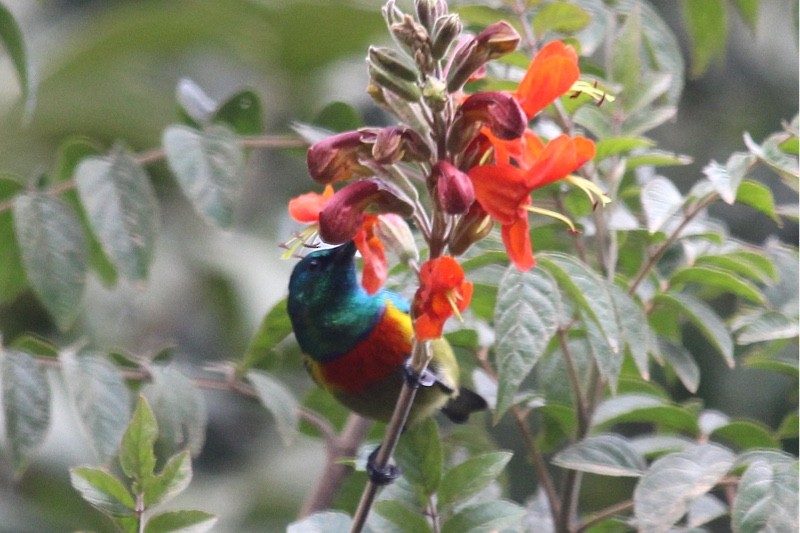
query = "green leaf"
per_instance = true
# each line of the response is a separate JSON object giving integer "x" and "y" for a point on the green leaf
{"x": 657, "y": 158}
{"x": 660, "y": 200}
{"x": 606, "y": 455}
{"x": 12, "y": 40}
{"x": 419, "y": 454}
{"x": 789, "y": 427}
{"x": 748, "y": 10}
{"x": 339, "y": 116}
{"x": 752, "y": 265}
{"x": 767, "y": 326}
{"x": 180, "y": 521}
{"x": 275, "y": 327}
{"x": 561, "y": 17}
{"x": 683, "y": 363}
{"x": 484, "y": 517}
{"x": 243, "y": 113}
{"x": 635, "y": 330}
{"x": 53, "y": 252}
{"x": 136, "y": 455}
{"x": 727, "y": 179}
{"x": 102, "y": 490}
{"x": 745, "y": 434}
{"x": 612, "y": 146}
{"x": 718, "y": 279}
{"x": 759, "y": 197}
{"x": 526, "y": 317}
{"x": 672, "y": 482}
{"x": 35, "y": 345}
{"x": 658, "y": 444}
{"x": 766, "y": 499}
{"x": 180, "y": 411}
{"x": 100, "y": 398}
{"x": 209, "y": 166}
{"x": 122, "y": 209}
{"x": 626, "y": 61}
{"x": 279, "y": 401}
{"x": 12, "y": 273}
{"x": 406, "y": 519}
{"x": 703, "y": 510}
{"x": 467, "y": 479}
{"x": 171, "y": 481}
{"x": 704, "y": 318}
{"x": 707, "y": 24}
{"x": 635, "y": 407}
{"x": 26, "y": 405}
{"x": 323, "y": 522}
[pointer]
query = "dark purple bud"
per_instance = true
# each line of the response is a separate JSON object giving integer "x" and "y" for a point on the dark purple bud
{"x": 343, "y": 215}
{"x": 398, "y": 143}
{"x": 500, "y": 112}
{"x": 453, "y": 187}
{"x": 497, "y": 40}
{"x": 337, "y": 158}
{"x": 472, "y": 227}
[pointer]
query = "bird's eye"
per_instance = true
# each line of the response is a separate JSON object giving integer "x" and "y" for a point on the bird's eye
{"x": 314, "y": 265}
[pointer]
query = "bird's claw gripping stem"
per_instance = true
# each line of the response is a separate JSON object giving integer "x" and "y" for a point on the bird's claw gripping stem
{"x": 381, "y": 475}
{"x": 416, "y": 380}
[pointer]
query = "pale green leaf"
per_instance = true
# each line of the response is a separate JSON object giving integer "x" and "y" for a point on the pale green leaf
{"x": 626, "y": 61}
{"x": 727, "y": 179}
{"x": 752, "y": 265}
{"x": 470, "y": 477}
{"x": 180, "y": 522}
{"x": 766, "y": 499}
{"x": 759, "y": 197}
{"x": 102, "y": 490}
{"x": 12, "y": 273}
{"x": 637, "y": 407}
{"x": 122, "y": 209}
{"x": 171, "y": 481}
{"x": 660, "y": 201}
{"x": 26, "y": 405}
{"x": 635, "y": 330}
{"x": 748, "y": 10}
{"x": 704, "y": 318}
{"x": 526, "y": 318}
{"x": 707, "y": 24}
{"x": 562, "y": 17}
{"x": 136, "y": 455}
{"x": 54, "y": 253}
{"x": 705, "y": 509}
{"x": 612, "y": 146}
{"x": 767, "y": 326}
{"x": 419, "y": 454}
{"x": 100, "y": 398}
{"x": 278, "y": 400}
{"x": 668, "y": 487}
{"x": 654, "y": 158}
{"x": 605, "y": 455}
{"x": 323, "y": 522}
{"x": 718, "y": 279}
{"x": 683, "y": 363}
{"x": 745, "y": 434}
{"x": 13, "y": 42}
{"x": 484, "y": 517}
{"x": 274, "y": 327}
{"x": 209, "y": 166}
{"x": 404, "y": 518}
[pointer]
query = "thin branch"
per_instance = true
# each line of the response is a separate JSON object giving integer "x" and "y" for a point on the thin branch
{"x": 599, "y": 516}
{"x": 574, "y": 379}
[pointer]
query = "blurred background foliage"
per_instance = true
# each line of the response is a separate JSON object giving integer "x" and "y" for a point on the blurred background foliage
{"x": 107, "y": 70}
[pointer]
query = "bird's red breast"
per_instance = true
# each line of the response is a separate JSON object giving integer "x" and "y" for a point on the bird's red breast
{"x": 370, "y": 361}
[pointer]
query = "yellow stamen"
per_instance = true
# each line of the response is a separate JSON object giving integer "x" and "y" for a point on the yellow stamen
{"x": 552, "y": 214}
{"x": 298, "y": 240}
{"x": 591, "y": 190}
{"x": 582, "y": 86}
{"x": 453, "y": 297}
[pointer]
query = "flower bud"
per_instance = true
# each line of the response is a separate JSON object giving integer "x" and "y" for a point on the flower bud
{"x": 473, "y": 226}
{"x": 407, "y": 90}
{"x": 453, "y": 188}
{"x": 445, "y": 31}
{"x": 395, "y": 234}
{"x": 497, "y": 40}
{"x": 435, "y": 92}
{"x": 343, "y": 215}
{"x": 392, "y": 62}
{"x": 397, "y": 143}
{"x": 428, "y": 11}
{"x": 337, "y": 158}
{"x": 500, "y": 112}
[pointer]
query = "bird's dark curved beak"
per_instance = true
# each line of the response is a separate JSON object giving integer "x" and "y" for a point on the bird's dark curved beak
{"x": 345, "y": 252}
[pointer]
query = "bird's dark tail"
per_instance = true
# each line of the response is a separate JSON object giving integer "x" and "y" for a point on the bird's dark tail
{"x": 458, "y": 408}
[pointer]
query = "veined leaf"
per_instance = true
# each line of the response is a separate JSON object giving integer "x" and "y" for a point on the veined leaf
{"x": 655, "y": 158}
{"x": 406, "y": 519}
{"x": 526, "y": 317}
{"x": 727, "y": 179}
{"x": 660, "y": 200}
{"x": 635, "y": 329}
{"x": 484, "y": 517}
{"x": 279, "y": 401}
{"x": 626, "y": 63}
{"x": 704, "y": 318}
{"x": 136, "y": 455}
{"x": 719, "y": 279}
{"x": 101, "y": 400}
{"x": 633, "y": 407}
{"x": 180, "y": 522}
{"x": 470, "y": 477}
{"x": 703, "y": 510}
{"x": 759, "y": 197}
{"x": 745, "y": 434}
{"x": 419, "y": 454}
{"x": 171, "y": 481}
{"x": 683, "y": 363}
{"x": 766, "y": 499}
{"x": 53, "y": 252}
{"x": 102, "y": 490}
{"x": 768, "y": 326}
{"x": 618, "y": 145}
{"x": 323, "y": 522}
{"x": 606, "y": 455}
{"x": 561, "y": 17}
{"x": 26, "y": 405}
{"x": 752, "y": 265}
{"x": 672, "y": 482}
{"x": 209, "y": 166}
{"x": 122, "y": 208}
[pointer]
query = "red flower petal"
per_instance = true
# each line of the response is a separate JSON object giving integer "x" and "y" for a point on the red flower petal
{"x": 560, "y": 156}
{"x": 500, "y": 189}
{"x": 517, "y": 240}
{"x": 376, "y": 268}
{"x": 551, "y": 73}
{"x": 306, "y": 207}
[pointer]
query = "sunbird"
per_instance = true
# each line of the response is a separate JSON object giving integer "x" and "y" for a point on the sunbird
{"x": 357, "y": 345}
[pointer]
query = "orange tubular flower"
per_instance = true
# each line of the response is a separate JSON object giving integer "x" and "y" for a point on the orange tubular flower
{"x": 551, "y": 74}
{"x": 443, "y": 292}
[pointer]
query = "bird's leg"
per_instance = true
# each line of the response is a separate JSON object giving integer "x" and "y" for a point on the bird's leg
{"x": 381, "y": 475}
{"x": 416, "y": 380}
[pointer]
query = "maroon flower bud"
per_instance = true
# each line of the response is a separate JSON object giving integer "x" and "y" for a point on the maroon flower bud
{"x": 398, "y": 143}
{"x": 497, "y": 40}
{"x": 428, "y": 11}
{"x": 500, "y": 112}
{"x": 453, "y": 187}
{"x": 343, "y": 215}
{"x": 337, "y": 158}
{"x": 472, "y": 227}
{"x": 477, "y": 152}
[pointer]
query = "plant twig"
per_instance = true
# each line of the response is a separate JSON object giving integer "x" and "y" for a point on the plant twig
{"x": 599, "y": 516}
